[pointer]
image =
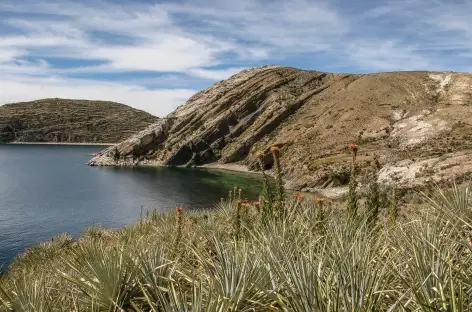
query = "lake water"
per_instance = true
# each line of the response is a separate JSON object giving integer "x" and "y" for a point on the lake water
{"x": 46, "y": 190}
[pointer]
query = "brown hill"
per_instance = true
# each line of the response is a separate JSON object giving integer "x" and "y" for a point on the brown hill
{"x": 77, "y": 121}
{"x": 419, "y": 124}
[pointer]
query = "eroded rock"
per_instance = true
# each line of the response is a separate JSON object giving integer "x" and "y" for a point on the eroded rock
{"x": 407, "y": 120}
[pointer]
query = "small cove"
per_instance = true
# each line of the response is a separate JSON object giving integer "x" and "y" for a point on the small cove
{"x": 46, "y": 190}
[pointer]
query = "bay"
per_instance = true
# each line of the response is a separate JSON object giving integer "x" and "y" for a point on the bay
{"x": 46, "y": 190}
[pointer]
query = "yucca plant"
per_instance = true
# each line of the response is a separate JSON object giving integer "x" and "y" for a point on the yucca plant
{"x": 154, "y": 268}
{"x": 294, "y": 207}
{"x": 301, "y": 278}
{"x": 341, "y": 271}
{"x": 362, "y": 277}
{"x": 455, "y": 203}
{"x": 104, "y": 274}
{"x": 225, "y": 208}
{"x": 428, "y": 266}
{"x": 179, "y": 300}
{"x": 310, "y": 259}
{"x": 30, "y": 294}
{"x": 38, "y": 258}
{"x": 452, "y": 210}
{"x": 235, "y": 271}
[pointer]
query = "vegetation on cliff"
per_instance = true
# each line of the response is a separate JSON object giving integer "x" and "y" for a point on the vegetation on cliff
{"x": 281, "y": 253}
{"x": 71, "y": 121}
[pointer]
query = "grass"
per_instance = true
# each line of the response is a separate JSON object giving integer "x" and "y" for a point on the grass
{"x": 245, "y": 256}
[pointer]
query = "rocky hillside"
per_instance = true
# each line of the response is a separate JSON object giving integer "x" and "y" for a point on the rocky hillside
{"x": 418, "y": 125}
{"x": 76, "y": 121}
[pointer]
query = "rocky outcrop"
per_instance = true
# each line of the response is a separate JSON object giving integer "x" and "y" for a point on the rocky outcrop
{"x": 72, "y": 121}
{"x": 416, "y": 123}
{"x": 139, "y": 148}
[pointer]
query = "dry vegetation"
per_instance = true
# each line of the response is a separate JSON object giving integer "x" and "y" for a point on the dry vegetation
{"x": 72, "y": 121}
{"x": 282, "y": 253}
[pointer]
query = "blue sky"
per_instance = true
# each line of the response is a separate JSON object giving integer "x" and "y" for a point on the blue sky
{"x": 155, "y": 55}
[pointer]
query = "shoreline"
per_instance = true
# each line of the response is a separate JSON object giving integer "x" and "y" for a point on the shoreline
{"x": 58, "y": 143}
{"x": 333, "y": 193}
{"x": 214, "y": 166}
{"x": 229, "y": 167}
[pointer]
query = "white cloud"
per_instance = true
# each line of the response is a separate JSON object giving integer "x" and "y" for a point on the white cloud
{"x": 438, "y": 31}
{"x": 9, "y": 54}
{"x": 215, "y": 74}
{"x": 282, "y": 26}
{"x": 171, "y": 53}
{"x": 23, "y": 67}
{"x": 43, "y": 40}
{"x": 386, "y": 56}
{"x": 194, "y": 42}
{"x": 159, "y": 41}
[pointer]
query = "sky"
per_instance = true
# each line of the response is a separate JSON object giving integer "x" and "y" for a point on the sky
{"x": 155, "y": 55}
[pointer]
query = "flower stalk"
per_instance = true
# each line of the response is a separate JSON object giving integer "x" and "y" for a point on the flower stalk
{"x": 278, "y": 174}
{"x": 393, "y": 209}
{"x": 266, "y": 195}
{"x": 352, "y": 195}
{"x": 320, "y": 217}
{"x": 373, "y": 198}
{"x": 238, "y": 220}
{"x": 178, "y": 238}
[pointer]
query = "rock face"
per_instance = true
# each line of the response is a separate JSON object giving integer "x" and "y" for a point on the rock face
{"x": 76, "y": 121}
{"x": 418, "y": 125}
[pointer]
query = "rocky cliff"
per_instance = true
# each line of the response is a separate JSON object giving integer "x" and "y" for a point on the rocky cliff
{"x": 418, "y": 125}
{"x": 76, "y": 121}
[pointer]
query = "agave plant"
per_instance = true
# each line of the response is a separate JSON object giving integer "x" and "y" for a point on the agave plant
{"x": 28, "y": 293}
{"x": 311, "y": 259}
{"x": 178, "y": 300}
{"x": 104, "y": 274}
{"x": 302, "y": 279}
{"x": 39, "y": 258}
{"x": 342, "y": 273}
{"x": 154, "y": 269}
{"x": 357, "y": 257}
{"x": 455, "y": 203}
{"x": 429, "y": 266}
{"x": 236, "y": 273}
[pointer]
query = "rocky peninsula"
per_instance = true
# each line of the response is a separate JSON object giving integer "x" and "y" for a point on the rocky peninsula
{"x": 416, "y": 125}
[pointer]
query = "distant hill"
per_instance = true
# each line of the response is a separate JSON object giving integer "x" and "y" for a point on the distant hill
{"x": 71, "y": 121}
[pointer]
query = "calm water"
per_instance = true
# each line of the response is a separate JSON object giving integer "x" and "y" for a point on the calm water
{"x": 47, "y": 190}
